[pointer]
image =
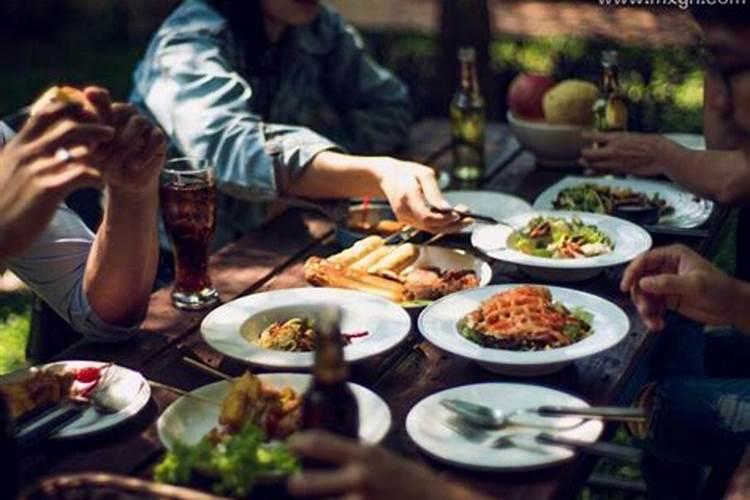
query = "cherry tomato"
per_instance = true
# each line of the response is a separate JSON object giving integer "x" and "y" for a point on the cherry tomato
{"x": 88, "y": 375}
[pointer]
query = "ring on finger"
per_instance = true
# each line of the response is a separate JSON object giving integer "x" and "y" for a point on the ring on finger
{"x": 63, "y": 155}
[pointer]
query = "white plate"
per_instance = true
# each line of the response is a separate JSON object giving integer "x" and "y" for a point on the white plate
{"x": 439, "y": 325}
{"x": 427, "y": 426}
{"x": 229, "y": 327}
{"x": 630, "y": 241}
{"x": 452, "y": 258}
{"x": 689, "y": 210}
{"x": 187, "y": 420}
{"x": 497, "y": 205}
{"x": 127, "y": 385}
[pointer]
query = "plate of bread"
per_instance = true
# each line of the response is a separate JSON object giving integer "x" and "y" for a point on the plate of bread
{"x": 408, "y": 274}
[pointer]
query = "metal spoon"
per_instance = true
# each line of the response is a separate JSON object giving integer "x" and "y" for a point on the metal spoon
{"x": 485, "y": 416}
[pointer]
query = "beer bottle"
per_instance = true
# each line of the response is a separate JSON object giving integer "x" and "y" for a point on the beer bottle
{"x": 329, "y": 403}
{"x": 610, "y": 108}
{"x": 467, "y": 124}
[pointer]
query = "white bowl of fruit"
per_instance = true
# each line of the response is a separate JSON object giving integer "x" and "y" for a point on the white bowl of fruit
{"x": 548, "y": 118}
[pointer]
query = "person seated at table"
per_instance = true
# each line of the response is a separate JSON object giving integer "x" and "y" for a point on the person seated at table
{"x": 700, "y": 403}
{"x": 273, "y": 92}
{"x": 101, "y": 283}
{"x": 721, "y": 173}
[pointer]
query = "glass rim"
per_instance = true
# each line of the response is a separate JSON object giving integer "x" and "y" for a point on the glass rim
{"x": 203, "y": 164}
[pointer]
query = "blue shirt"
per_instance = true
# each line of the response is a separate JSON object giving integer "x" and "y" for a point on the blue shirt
{"x": 53, "y": 267}
{"x": 260, "y": 129}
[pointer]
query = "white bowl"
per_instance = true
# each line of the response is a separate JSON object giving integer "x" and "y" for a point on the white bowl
{"x": 439, "y": 325}
{"x": 554, "y": 146}
{"x": 188, "y": 419}
{"x": 232, "y": 328}
{"x": 630, "y": 241}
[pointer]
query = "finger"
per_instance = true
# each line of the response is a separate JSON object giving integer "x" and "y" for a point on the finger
{"x": 650, "y": 262}
{"x": 50, "y": 115}
{"x": 595, "y": 136}
{"x": 431, "y": 191}
{"x": 325, "y": 446}
{"x": 594, "y": 155}
{"x": 122, "y": 111}
{"x": 68, "y": 134}
{"x": 338, "y": 481}
{"x": 74, "y": 177}
{"x": 649, "y": 307}
{"x": 102, "y": 102}
{"x": 669, "y": 285}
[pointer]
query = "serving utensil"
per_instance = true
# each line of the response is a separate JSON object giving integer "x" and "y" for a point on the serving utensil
{"x": 526, "y": 440}
{"x": 464, "y": 214}
{"x": 206, "y": 368}
{"x": 181, "y": 392}
{"x": 485, "y": 416}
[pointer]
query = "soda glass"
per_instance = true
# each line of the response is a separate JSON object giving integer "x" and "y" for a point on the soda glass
{"x": 188, "y": 207}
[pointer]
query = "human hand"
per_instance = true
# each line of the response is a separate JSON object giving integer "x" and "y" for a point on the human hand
{"x": 365, "y": 472}
{"x": 679, "y": 279}
{"x": 627, "y": 152}
{"x": 48, "y": 159}
{"x": 411, "y": 189}
{"x": 132, "y": 161}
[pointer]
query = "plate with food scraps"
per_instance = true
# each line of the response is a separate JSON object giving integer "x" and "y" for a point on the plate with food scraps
{"x": 523, "y": 330}
{"x": 276, "y": 411}
{"x": 677, "y": 208}
{"x": 563, "y": 246}
{"x": 491, "y": 203}
{"x": 276, "y": 329}
{"x": 407, "y": 274}
{"x": 434, "y": 428}
{"x": 31, "y": 389}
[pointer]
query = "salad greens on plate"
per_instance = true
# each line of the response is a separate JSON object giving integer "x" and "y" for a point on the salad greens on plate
{"x": 560, "y": 238}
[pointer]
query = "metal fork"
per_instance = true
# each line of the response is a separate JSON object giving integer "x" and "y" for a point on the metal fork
{"x": 597, "y": 448}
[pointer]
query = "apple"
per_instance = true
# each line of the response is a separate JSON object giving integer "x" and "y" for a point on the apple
{"x": 526, "y": 93}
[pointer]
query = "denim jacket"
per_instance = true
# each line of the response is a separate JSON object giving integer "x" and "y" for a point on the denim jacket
{"x": 260, "y": 129}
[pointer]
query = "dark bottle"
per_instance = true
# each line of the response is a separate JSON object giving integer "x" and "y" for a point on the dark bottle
{"x": 8, "y": 450}
{"x": 467, "y": 124}
{"x": 610, "y": 108}
{"x": 329, "y": 403}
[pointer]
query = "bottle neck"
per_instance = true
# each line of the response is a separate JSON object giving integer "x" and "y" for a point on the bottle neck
{"x": 610, "y": 80}
{"x": 469, "y": 80}
{"x": 330, "y": 367}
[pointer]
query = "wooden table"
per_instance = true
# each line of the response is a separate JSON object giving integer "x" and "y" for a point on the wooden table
{"x": 272, "y": 258}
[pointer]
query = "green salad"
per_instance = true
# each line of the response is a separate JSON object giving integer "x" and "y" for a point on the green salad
{"x": 234, "y": 462}
{"x": 590, "y": 197}
{"x": 560, "y": 238}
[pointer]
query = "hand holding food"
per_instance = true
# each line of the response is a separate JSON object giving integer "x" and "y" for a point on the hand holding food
{"x": 679, "y": 279}
{"x": 627, "y": 152}
{"x": 132, "y": 161}
{"x": 559, "y": 238}
{"x": 49, "y": 158}
{"x": 365, "y": 472}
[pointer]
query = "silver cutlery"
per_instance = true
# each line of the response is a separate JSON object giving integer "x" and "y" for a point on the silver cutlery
{"x": 485, "y": 416}
{"x": 525, "y": 440}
